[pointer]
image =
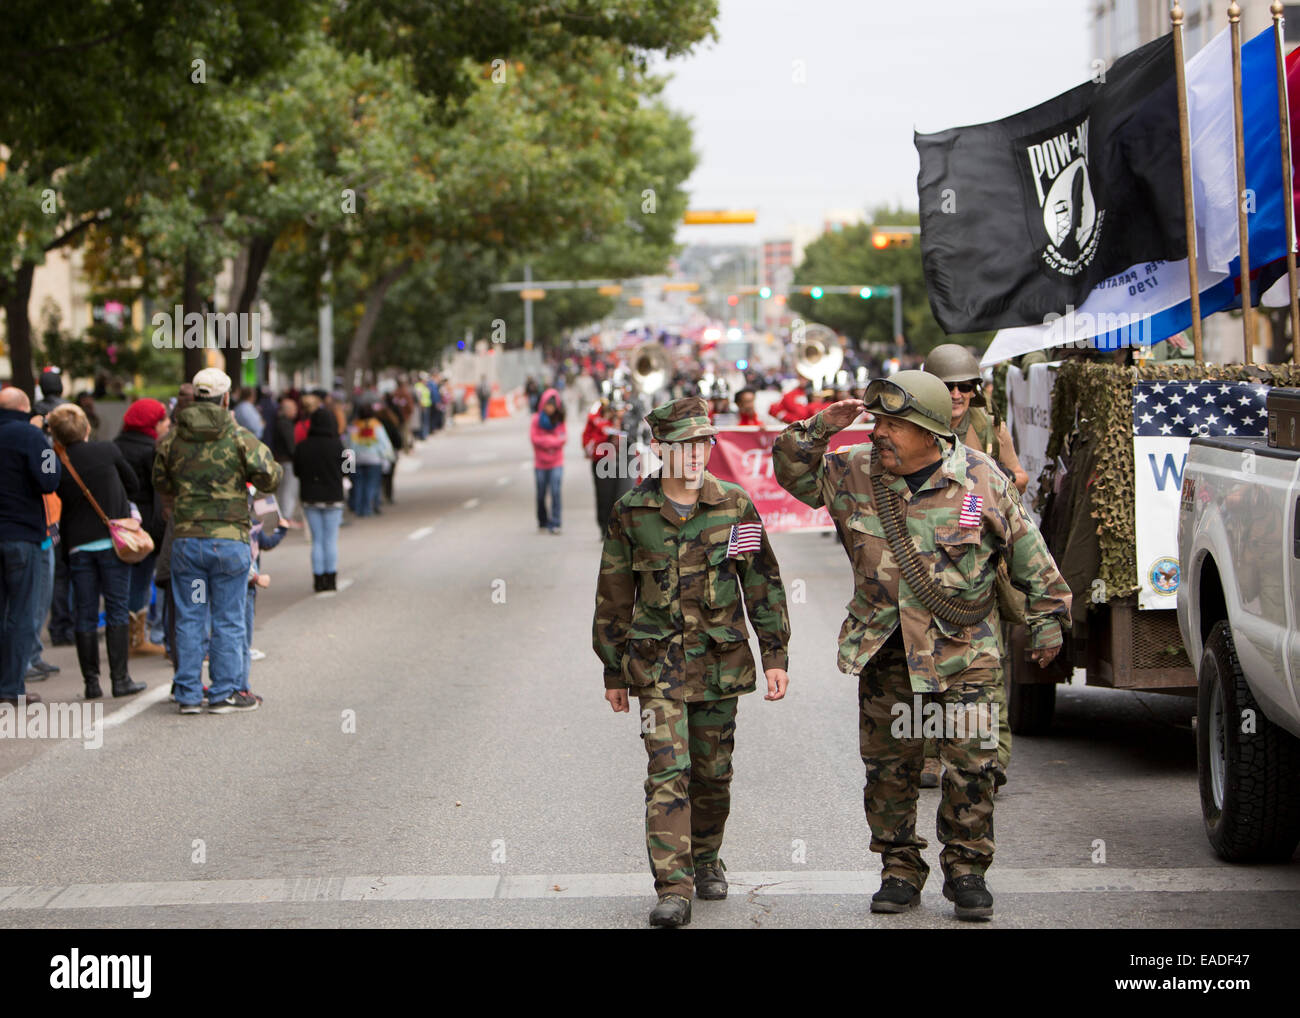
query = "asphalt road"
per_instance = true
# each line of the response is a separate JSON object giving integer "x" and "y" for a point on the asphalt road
{"x": 435, "y": 750}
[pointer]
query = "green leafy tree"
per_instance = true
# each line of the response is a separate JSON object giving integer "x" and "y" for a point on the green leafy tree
{"x": 847, "y": 257}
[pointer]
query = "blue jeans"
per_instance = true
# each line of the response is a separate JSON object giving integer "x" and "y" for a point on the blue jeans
{"x": 20, "y": 562}
{"x": 250, "y": 609}
{"x": 324, "y": 525}
{"x": 94, "y": 574}
{"x": 548, "y": 481}
{"x": 209, "y": 578}
{"x": 41, "y": 599}
{"x": 141, "y": 582}
{"x": 365, "y": 491}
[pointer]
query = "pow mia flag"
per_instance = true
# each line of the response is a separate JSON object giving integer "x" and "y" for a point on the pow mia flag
{"x": 1024, "y": 216}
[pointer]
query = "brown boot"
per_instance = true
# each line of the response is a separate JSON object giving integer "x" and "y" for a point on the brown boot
{"x": 140, "y": 645}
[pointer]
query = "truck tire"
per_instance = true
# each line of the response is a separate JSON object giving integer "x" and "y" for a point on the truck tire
{"x": 1250, "y": 782}
{"x": 1030, "y": 705}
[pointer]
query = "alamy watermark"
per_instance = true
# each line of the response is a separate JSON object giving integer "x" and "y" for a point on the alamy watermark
{"x": 211, "y": 331}
{"x": 919, "y": 720}
{"x": 40, "y": 720}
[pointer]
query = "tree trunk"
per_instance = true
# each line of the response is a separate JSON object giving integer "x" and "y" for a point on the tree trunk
{"x": 358, "y": 349}
{"x": 194, "y": 360}
{"x": 17, "y": 293}
{"x": 249, "y": 266}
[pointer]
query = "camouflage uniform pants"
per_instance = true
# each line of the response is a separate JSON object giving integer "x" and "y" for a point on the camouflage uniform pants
{"x": 687, "y": 787}
{"x": 893, "y": 766}
{"x": 1004, "y": 719}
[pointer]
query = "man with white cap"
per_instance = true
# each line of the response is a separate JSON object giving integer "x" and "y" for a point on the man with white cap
{"x": 203, "y": 467}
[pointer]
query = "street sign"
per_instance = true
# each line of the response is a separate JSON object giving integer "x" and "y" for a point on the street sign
{"x": 681, "y": 287}
{"x": 532, "y": 294}
{"x": 635, "y": 302}
{"x": 609, "y": 291}
{"x": 705, "y": 217}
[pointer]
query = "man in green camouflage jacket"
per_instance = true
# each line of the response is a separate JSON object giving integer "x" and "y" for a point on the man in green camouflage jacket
{"x": 960, "y": 515}
{"x": 669, "y": 627}
{"x": 203, "y": 467}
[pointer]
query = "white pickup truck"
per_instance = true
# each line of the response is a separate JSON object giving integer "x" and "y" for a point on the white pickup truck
{"x": 1239, "y": 612}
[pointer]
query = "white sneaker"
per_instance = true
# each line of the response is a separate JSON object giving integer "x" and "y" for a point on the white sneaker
{"x": 255, "y": 655}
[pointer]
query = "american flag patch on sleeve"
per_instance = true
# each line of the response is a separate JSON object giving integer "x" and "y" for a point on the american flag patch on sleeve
{"x": 745, "y": 537}
{"x": 970, "y": 511}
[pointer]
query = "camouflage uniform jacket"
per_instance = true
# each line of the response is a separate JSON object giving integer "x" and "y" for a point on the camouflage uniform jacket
{"x": 206, "y": 463}
{"x": 963, "y": 559}
{"x": 669, "y": 620}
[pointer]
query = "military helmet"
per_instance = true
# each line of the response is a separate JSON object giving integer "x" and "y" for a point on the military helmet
{"x": 915, "y": 396}
{"x": 953, "y": 362}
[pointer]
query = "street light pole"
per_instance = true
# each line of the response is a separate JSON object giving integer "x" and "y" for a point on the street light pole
{"x": 325, "y": 322}
{"x": 528, "y": 311}
{"x": 898, "y": 317}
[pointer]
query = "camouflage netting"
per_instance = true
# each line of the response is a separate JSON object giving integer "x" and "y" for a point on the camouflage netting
{"x": 1104, "y": 393}
{"x": 1000, "y": 388}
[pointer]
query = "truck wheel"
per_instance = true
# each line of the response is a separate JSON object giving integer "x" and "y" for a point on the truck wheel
{"x": 1029, "y": 704}
{"x": 1250, "y": 781}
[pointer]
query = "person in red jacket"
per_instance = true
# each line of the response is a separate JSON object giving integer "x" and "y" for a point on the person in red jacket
{"x": 548, "y": 434}
{"x": 793, "y": 406}
{"x": 605, "y": 443}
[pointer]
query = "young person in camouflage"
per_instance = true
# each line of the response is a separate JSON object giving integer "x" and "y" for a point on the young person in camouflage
{"x": 960, "y": 513}
{"x": 670, "y": 629}
{"x": 203, "y": 468}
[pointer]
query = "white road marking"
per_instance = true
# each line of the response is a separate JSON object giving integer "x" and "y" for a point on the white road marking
{"x": 480, "y": 457}
{"x": 473, "y": 503}
{"x": 141, "y": 703}
{"x": 526, "y": 465}
{"x": 416, "y": 535}
{"x": 408, "y": 463}
{"x": 344, "y": 584}
{"x": 436, "y": 887}
{"x": 502, "y": 481}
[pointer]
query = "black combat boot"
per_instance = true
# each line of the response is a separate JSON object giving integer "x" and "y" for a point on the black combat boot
{"x": 88, "y": 659}
{"x": 331, "y": 581}
{"x": 971, "y": 899}
{"x": 895, "y": 895}
{"x": 318, "y": 582}
{"x": 710, "y": 884}
{"x": 118, "y": 641}
{"x": 672, "y": 910}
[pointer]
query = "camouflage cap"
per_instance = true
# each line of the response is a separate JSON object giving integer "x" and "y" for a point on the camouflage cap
{"x": 680, "y": 420}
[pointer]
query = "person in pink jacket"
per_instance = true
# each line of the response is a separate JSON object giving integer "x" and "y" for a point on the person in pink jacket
{"x": 548, "y": 434}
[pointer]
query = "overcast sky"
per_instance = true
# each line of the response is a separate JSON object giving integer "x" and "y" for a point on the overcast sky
{"x": 875, "y": 70}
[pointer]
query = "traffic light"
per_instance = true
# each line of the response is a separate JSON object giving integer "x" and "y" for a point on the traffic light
{"x": 865, "y": 293}
{"x": 765, "y": 292}
{"x": 733, "y": 300}
{"x": 816, "y": 293}
{"x": 892, "y": 236}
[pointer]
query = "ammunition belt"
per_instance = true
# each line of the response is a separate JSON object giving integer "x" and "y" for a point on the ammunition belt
{"x": 936, "y": 602}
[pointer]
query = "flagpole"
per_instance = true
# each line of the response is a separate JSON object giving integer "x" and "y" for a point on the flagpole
{"x": 1243, "y": 224}
{"x": 1189, "y": 203}
{"x": 1276, "y": 8}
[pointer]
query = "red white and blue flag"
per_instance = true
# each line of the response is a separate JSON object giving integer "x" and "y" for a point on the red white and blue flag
{"x": 745, "y": 537}
{"x": 970, "y": 511}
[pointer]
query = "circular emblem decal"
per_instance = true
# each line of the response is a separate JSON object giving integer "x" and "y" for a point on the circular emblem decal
{"x": 1164, "y": 576}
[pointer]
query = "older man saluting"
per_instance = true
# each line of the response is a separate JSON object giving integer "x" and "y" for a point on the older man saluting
{"x": 925, "y": 522}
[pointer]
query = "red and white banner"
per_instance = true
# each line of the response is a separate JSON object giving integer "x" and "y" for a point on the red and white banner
{"x": 744, "y": 456}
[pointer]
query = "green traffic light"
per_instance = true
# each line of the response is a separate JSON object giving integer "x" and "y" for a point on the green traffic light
{"x": 816, "y": 293}
{"x": 865, "y": 293}
{"x": 765, "y": 292}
